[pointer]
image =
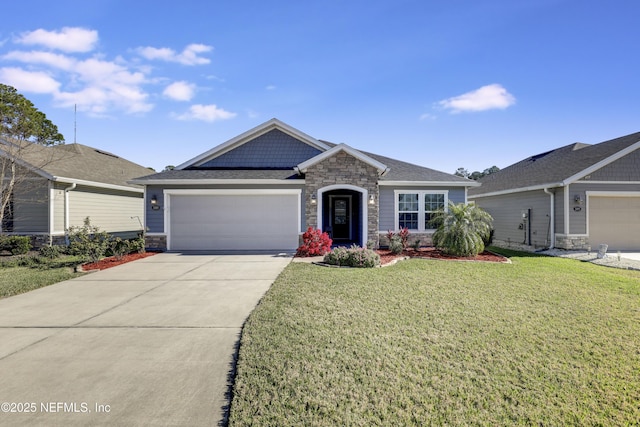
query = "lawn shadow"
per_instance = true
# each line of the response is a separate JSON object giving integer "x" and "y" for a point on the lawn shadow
{"x": 511, "y": 253}
{"x": 231, "y": 378}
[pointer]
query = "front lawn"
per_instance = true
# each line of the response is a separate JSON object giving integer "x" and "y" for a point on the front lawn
{"x": 541, "y": 341}
{"x": 26, "y": 273}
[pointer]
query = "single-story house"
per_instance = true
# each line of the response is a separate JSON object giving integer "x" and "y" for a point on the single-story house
{"x": 60, "y": 185}
{"x": 575, "y": 197}
{"x": 263, "y": 188}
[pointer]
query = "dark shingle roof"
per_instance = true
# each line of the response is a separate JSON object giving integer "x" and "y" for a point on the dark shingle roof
{"x": 223, "y": 174}
{"x": 403, "y": 171}
{"x": 81, "y": 162}
{"x": 398, "y": 171}
{"x": 553, "y": 166}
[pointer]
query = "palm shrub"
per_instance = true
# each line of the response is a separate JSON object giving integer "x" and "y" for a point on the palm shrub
{"x": 461, "y": 230}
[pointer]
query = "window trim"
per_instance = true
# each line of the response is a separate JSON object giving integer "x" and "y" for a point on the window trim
{"x": 421, "y": 207}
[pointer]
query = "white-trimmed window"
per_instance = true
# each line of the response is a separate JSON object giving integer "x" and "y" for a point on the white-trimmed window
{"x": 414, "y": 209}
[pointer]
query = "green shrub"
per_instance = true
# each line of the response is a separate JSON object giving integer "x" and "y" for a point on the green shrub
{"x": 51, "y": 252}
{"x": 338, "y": 256}
{"x": 395, "y": 245}
{"x": 355, "y": 256}
{"x": 88, "y": 241}
{"x": 17, "y": 245}
{"x": 461, "y": 230}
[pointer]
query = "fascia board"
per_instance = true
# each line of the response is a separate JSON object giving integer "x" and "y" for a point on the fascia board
{"x": 96, "y": 184}
{"x": 430, "y": 183}
{"x": 516, "y": 190}
{"x": 382, "y": 168}
{"x": 602, "y": 163}
{"x": 217, "y": 181}
{"x": 249, "y": 135}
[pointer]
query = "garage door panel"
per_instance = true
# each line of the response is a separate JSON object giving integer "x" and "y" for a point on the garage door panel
{"x": 234, "y": 222}
{"x": 615, "y": 221}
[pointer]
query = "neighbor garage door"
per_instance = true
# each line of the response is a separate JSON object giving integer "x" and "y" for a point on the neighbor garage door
{"x": 222, "y": 220}
{"x": 614, "y": 221}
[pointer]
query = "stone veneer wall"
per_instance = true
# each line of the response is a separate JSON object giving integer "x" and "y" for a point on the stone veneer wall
{"x": 426, "y": 239}
{"x": 155, "y": 242}
{"x": 343, "y": 169}
{"x": 40, "y": 240}
{"x": 572, "y": 242}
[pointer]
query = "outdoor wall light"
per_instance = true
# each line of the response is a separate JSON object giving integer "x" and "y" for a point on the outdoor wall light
{"x": 313, "y": 199}
{"x": 577, "y": 199}
{"x": 154, "y": 203}
{"x": 372, "y": 199}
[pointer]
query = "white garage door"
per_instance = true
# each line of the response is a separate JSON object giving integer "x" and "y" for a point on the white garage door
{"x": 221, "y": 220}
{"x": 615, "y": 221}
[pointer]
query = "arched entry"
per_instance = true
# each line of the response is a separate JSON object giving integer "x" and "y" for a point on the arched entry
{"x": 342, "y": 213}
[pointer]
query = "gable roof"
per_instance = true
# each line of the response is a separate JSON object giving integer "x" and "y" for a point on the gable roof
{"x": 219, "y": 165}
{"x": 557, "y": 167}
{"x": 81, "y": 164}
{"x": 382, "y": 168}
{"x": 251, "y": 134}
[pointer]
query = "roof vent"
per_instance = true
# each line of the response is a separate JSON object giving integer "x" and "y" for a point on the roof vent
{"x": 539, "y": 156}
{"x": 106, "y": 153}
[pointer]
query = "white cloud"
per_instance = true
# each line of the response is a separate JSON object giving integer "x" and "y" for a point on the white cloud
{"x": 488, "y": 97}
{"x": 180, "y": 91}
{"x": 69, "y": 39}
{"x": 427, "y": 116}
{"x": 207, "y": 113}
{"x": 55, "y": 60}
{"x": 270, "y": 87}
{"x": 29, "y": 81}
{"x": 98, "y": 84}
{"x": 189, "y": 56}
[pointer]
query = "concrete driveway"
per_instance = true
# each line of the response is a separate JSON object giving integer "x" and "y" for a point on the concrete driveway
{"x": 151, "y": 342}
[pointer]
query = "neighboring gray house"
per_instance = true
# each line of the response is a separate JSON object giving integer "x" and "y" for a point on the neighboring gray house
{"x": 61, "y": 185}
{"x": 575, "y": 197}
{"x": 263, "y": 188}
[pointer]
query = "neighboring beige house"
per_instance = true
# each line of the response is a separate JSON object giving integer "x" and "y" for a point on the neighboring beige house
{"x": 61, "y": 185}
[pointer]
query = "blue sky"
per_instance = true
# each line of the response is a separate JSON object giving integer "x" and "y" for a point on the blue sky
{"x": 443, "y": 84}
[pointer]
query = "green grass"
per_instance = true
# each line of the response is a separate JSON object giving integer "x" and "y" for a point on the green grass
{"x": 26, "y": 273}
{"x": 541, "y": 341}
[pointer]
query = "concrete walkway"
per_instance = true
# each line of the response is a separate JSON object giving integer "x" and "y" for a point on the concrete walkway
{"x": 150, "y": 342}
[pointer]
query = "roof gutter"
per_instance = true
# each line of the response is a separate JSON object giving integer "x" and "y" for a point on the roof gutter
{"x": 552, "y": 218}
{"x": 96, "y": 184}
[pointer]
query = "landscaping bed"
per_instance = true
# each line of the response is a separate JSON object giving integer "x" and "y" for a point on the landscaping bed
{"x": 114, "y": 261}
{"x": 386, "y": 256}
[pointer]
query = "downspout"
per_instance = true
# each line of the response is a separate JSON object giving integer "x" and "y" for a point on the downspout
{"x": 552, "y": 219}
{"x": 66, "y": 212}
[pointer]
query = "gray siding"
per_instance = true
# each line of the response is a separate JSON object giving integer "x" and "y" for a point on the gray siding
{"x": 155, "y": 218}
{"x": 506, "y": 211}
{"x": 624, "y": 169}
{"x": 110, "y": 210}
{"x": 274, "y": 149}
{"x": 387, "y": 202}
{"x": 578, "y": 219}
{"x": 31, "y": 211}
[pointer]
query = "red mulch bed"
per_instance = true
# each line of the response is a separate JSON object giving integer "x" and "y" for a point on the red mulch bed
{"x": 386, "y": 256}
{"x": 113, "y": 261}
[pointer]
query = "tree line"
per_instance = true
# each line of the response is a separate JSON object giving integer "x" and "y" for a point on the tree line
{"x": 476, "y": 175}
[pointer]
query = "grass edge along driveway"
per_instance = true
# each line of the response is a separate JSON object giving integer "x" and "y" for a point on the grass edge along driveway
{"x": 545, "y": 341}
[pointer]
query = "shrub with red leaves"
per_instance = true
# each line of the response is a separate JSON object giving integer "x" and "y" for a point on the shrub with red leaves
{"x": 314, "y": 243}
